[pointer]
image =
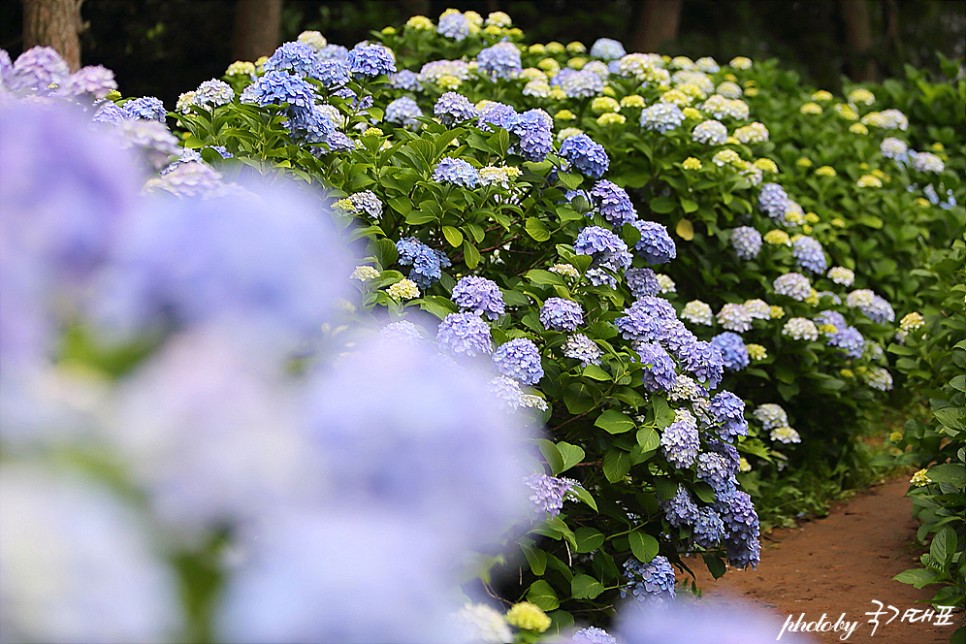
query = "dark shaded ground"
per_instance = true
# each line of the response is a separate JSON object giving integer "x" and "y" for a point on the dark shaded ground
{"x": 840, "y": 564}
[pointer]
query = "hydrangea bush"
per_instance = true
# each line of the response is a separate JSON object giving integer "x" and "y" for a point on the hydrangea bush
{"x": 616, "y": 240}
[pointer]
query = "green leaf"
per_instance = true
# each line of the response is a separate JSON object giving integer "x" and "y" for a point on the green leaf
{"x": 648, "y": 439}
{"x": 579, "y": 397}
{"x": 918, "y": 577}
{"x": 537, "y": 559}
{"x": 614, "y": 422}
{"x": 453, "y": 236}
{"x": 715, "y": 564}
{"x": 663, "y": 205}
{"x": 552, "y": 454}
{"x": 536, "y": 229}
{"x": 952, "y": 417}
{"x": 594, "y": 372}
{"x": 644, "y": 546}
{"x": 470, "y": 255}
{"x": 943, "y": 546}
{"x": 541, "y": 277}
{"x": 419, "y": 217}
{"x": 704, "y": 492}
{"x": 584, "y": 496}
{"x": 541, "y": 594}
{"x": 570, "y": 455}
{"x": 588, "y": 539}
{"x": 617, "y": 463}
{"x": 585, "y": 587}
{"x": 953, "y": 473}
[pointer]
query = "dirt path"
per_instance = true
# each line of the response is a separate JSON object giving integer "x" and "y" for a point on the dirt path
{"x": 840, "y": 564}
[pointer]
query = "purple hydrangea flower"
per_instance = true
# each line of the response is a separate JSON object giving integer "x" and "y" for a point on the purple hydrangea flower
{"x": 498, "y": 114}
{"x": 809, "y": 255}
{"x": 680, "y": 441}
{"x": 453, "y": 108}
{"x": 369, "y": 61}
{"x": 427, "y": 263}
{"x": 705, "y": 362}
{"x": 548, "y": 493}
{"x": 580, "y": 347}
{"x": 651, "y": 583}
{"x": 456, "y": 171}
{"x": 728, "y": 410}
{"x": 646, "y": 320}
{"x": 642, "y": 282}
{"x": 607, "y": 49}
{"x": 741, "y": 534}
{"x": 560, "y": 314}
{"x": 659, "y": 372}
{"x": 339, "y": 142}
{"x": 502, "y": 60}
{"x": 661, "y": 117}
{"x": 277, "y": 87}
{"x": 592, "y": 635}
{"x": 589, "y": 158}
{"x": 404, "y": 111}
{"x": 519, "y": 359}
{"x": 36, "y": 70}
{"x": 733, "y": 350}
{"x": 453, "y": 25}
{"x": 655, "y": 245}
{"x": 147, "y": 108}
{"x": 464, "y": 334}
{"x": 746, "y": 241}
{"x": 578, "y": 84}
{"x": 849, "y": 340}
{"x": 681, "y": 510}
{"x": 333, "y": 52}
{"x": 715, "y": 470}
{"x": 793, "y": 285}
{"x": 773, "y": 201}
{"x": 708, "y": 528}
{"x": 535, "y": 131}
{"x": 834, "y": 318}
{"x": 613, "y": 203}
{"x": 479, "y": 295}
{"x": 333, "y": 73}
{"x": 405, "y": 79}
{"x": 607, "y": 249}
{"x": 93, "y": 80}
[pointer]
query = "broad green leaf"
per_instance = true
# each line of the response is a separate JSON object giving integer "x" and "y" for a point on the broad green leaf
{"x": 617, "y": 463}
{"x": 552, "y": 454}
{"x": 542, "y": 594}
{"x": 918, "y": 577}
{"x": 715, "y": 564}
{"x": 470, "y": 255}
{"x": 954, "y": 473}
{"x": 537, "y": 230}
{"x": 537, "y": 559}
{"x": 614, "y": 422}
{"x": 585, "y": 587}
{"x": 570, "y": 455}
{"x": 588, "y": 539}
{"x": 648, "y": 439}
{"x": 644, "y": 546}
{"x": 594, "y": 372}
{"x": 585, "y": 497}
{"x": 453, "y": 236}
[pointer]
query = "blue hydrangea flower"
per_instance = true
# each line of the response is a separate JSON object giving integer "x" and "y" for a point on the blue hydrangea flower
{"x": 648, "y": 319}
{"x": 213, "y": 93}
{"x": 849, "y": 340}
{"x": 453, "y": 108}
{"x": 680, "y": 441}
{"x": 580, "y": 347}
{"x": 548, "y": 493}
{"x": 369, "y": 61}
{"x": 773, "y": 201}
{"x": 404, "y": 111}
{"x": 333, "y": 52}
{"x": 746, "y": 241}
{"x": 92, "y": 80}
{"x": 502, "y": 60}
{"x": 456, "y": 171}
{"x": 710, "y": 133}
{"x": 793, "y": 285}
{"x": 519, "y": 359}
{"x": 655, "y": 245}
{"x": 310, "y": 124}
{"x": 613, "y": 203}
{"x": 578, "y": 84}
{"x": 147, "y": 108}
{"x": 607, "y": 49}
{"x": 479, "y": 295}
{"x": 834, "y": 318}
{"x": 680, "y": 510}
{"x": 464, "y": 334}
{"x": 427, "y": 262}
{"x": 873, "y": 306}
{"x": 708, "y": 528}
{"x": 809, "y": 255}
{"x": 741, "y": 534}
{"x": 715, "y": 470}
{"x": 704, "y": 361}
{"x": 497, "y": 114}
{"x": 276, "y": 87}
{"x": 333, "y": 73}
{"x": 560, "y": 314}
{"x": 535, "y": 131}
{"x": 607, "y": 249}
{"x": 588, "y": 157}
{"x": 659, "y": 372}
{"x": 405, "y": 79}
{"x": 294, "y": 57}
{"x": 651, "y": 583}
{"x": 454, "y": 25}
{"x": 339, "y": 142}
{"x": 728, "y": 410}
{"x": 642, "y": 282}
{"x": 661, "y": 117}
{"x": 733, "y": 350}
{"x": 592, "y": 635}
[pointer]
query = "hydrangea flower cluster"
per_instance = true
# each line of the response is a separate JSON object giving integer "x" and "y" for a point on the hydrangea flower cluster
{"x": 655, "y": 245}
{"x": 427, "y": 263}
{"x": 479, "y": 295}
{"x": 519, "y": 359}
{"x": 457, "y": 172}
{"x": 560, "y": 314}
{"x": 651, "y": 583}
{"x": 587, "y": 156}
{"x": 549, "y": 493}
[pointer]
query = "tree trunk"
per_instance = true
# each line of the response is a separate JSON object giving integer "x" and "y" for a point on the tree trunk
{"x": 858, "y": 36}
{"x": 258, "y": 27}
{"x": 657, "y": 25}
{"x": 54, "y": 23}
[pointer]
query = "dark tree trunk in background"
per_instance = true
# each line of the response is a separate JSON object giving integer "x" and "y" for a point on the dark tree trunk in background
{"x": 657, "y": 25}
{"x": 258, "y": 28}
{"x": 54, "y": 23}
{"x": 858, "y": 36}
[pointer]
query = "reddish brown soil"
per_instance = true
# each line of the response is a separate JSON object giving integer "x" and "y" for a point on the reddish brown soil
{"x": 839, "y": 564}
